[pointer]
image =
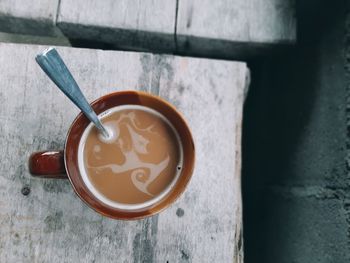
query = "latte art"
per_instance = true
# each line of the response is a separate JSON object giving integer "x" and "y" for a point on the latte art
{"x": 142, "y": 173}
{"x": 141, "y": 160}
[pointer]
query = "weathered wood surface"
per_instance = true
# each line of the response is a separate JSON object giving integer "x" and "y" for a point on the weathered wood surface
{"x": 240, "y": 28}
{"x": 34, "y": 39}
{"x": 51, "y": 224}
{"x": 222, "y": 28}
{"x": 37, "y": 17}
{"x": 133, "y": 24}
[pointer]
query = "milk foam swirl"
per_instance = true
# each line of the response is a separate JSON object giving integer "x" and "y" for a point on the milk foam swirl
{"x": 142, "y": 173}
{"x": 149, "y": 171}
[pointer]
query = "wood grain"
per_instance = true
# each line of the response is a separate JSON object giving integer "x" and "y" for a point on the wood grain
{"x": 234, "y": 28}
{"x": 130, "y": 24}
{"x": 42, "y": 220}
{"x": 222, "y": 28}
{"x": 37, "y": 17}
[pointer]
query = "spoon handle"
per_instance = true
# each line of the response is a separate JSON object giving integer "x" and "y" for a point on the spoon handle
{"x": 51, "y": 62}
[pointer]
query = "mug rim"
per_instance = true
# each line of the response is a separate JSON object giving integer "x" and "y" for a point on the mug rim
{"x": 73, "y": 172}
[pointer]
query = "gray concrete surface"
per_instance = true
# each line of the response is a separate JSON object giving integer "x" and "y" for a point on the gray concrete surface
{"x": 296, "y": 145}
{"x": 42, "y": 220}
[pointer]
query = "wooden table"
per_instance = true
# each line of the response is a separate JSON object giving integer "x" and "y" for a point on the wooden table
{"x": 42, "y": 220}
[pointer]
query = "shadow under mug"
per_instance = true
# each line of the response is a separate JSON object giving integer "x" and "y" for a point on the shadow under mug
{"x": 64, "y": 164}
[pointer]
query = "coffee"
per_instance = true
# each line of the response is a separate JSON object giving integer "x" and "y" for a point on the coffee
{"x": 141, "y": 161}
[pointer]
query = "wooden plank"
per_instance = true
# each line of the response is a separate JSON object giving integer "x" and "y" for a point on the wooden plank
{"x": 234, "y": 28}
{"x": 128, "y": 24}
{"x": 51, "y": 224}
{"x": 29, "y": 17}
{"x": 224, "y": 28}
{"x": 210, "y": 94}
{"x": 34, "y": 39}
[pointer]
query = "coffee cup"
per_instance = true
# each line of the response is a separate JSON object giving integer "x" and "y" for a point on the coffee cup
{"x": 141, "y": 171}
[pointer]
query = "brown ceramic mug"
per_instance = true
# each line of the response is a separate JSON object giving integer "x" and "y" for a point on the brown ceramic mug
{"x": 64, "y": 163}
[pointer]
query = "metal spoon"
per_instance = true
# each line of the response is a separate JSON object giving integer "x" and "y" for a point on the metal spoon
{"x": 51, "y": 62}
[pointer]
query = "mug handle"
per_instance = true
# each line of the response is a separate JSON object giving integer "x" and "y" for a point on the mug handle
{"x": 47, "y": 164}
